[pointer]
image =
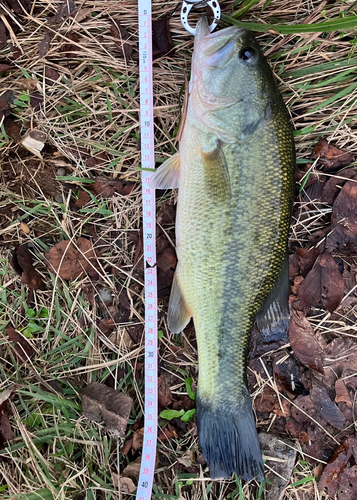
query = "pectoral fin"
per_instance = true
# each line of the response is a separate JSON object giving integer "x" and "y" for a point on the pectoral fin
{"x": 216, "y": 173}
{"x": 168, "y": 175}
{"x": 273, "y": 318}
{"x": 178, "y": 315}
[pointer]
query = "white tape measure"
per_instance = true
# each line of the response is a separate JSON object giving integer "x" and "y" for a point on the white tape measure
{"x": 149, "y": 234}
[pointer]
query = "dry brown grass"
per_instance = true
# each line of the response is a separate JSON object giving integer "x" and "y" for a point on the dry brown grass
{"x": 78, "y": 456}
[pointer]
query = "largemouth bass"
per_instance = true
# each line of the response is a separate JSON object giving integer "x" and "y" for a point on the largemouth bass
{"x": 235, "y": 174}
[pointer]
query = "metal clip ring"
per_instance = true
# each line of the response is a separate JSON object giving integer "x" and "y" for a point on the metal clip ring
{"x": 187, "y": 6}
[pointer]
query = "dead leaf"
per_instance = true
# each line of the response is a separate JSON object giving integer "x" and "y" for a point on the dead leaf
{"x": 342, "y": 394}
{"x": 330, "y": 156}
{"x": 343, "y": 235}
{"x": 23, "y": 349}
{"x": 44, "y": 45}
{"x": 335, "y": 183}
{"x": 133, "y": 469}
{"x": 51, "y": 75}
{"x": 307, "y": 258}
{"x": 5, "y": 67}
{"x": 166, "y": 212}
{"x": 326, "y": 408}
{"x": 24, "y": 228}
{"x": 108, "y": 187}
{"x": 64, "y": 10}
{"x": 23, "y": 265}
{"x": 303, "y": 342}
{"x": 121, "y": 338}
{"x": 3, "y": 35}
{"x": 80, "y": 14}
{"x": 36, "y": 100}
{"x": 287, "y": 374}
{"x": 343, "y": 458}
{"x": 83, "y": 199}
{"x": 12, "y": 128}
{"x": 267, "y": 400}
{"x": 167, "y": 259}
{"x": 71, "y": 261}
{"x": 100, "y": 402}
{"x": 18, "y": 7}
{"x": 6, "y": 433}
{"x": 293, "y": 266}
{"x": 347, "y": 489}
{"x": 161, "y": 37}
{"x": 127, "y": 446}
{"x": 68, "y": 48}
{"x": 123, "y": 484}
{"x": 164, "y": 392}
{"x": 120, "y": 34}
{"x": 324, "y": 284}
{"x": 280, "y": 457}
{"x": 138, "y": 439}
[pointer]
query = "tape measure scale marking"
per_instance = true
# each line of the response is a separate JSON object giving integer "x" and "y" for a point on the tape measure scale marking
{"x": 149, "y": 236}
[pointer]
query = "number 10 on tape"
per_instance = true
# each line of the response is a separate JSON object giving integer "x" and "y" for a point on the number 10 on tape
{"x": 149, "y": 235}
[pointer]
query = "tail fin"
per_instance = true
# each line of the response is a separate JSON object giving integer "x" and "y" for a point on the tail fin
{"x": 229, "y": 440}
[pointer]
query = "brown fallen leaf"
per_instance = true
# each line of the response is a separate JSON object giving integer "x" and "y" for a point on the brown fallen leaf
{"x": 123, "y": 484}
{"x": 307, "y": 258}
{"x": 12, "y": 128}
{"x": 161, "y": 37}
{"x": 330, "y": 156}
{"x": 83, "y": 199}
{"x": 65, "y": 9}
{"x": 164, "y": 392}
{"x": 44, "y": 45}
{"x": 324, "y": 284}
{"x": 120, "y": 34}
{"x": 100, "y": 402}
{"x": 303, "y": 342}
{"x": 3, "y": 35}
{"x": 6, "y": 433}
{"x": 5, "y": 67}
{"x": 18, "y": 6}
{"x": 23, "y": 349}
{"x": 342, "y": 394}
{"x": 343, "y": 458}
{"x": 326, "y": 408}
{"x": 71, "y": 261}
{"x": 68, "y": 48}
{"x": 108, "y": 187}
{"x": 36, "y": 100}
{"x": 127, "y": 446}
{"x": 343, "y": 234}
{"x": 138, "y": 439}
{"x": 167, "y": 259}
{"x": 347, "y": 488}
{"x": 23, "y": 265}
{"x": 335, "y": 183}
{"x": 280, "y": 458}
{"x": 287, "y": 374}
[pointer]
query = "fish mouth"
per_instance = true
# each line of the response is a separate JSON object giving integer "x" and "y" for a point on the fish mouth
{"x": 217, "y": 48}
{"x": 202, "y": 31}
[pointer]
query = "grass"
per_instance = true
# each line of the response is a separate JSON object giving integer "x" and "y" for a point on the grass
{"x": 90, "y": 116}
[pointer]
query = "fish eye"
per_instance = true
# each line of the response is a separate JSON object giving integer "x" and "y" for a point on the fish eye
{"x": 247, "y": 54}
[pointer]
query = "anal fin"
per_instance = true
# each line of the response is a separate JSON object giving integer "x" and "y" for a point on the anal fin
{"x": 178, "y": 314}
{"x": 273, "y": 317}
{"x": 167, "y": 176}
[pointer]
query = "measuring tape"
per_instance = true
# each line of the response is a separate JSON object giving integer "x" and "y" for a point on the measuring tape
{"x": 149, "y": 235}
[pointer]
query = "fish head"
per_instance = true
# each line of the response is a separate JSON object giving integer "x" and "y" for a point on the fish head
{"x": 232, "y": 88}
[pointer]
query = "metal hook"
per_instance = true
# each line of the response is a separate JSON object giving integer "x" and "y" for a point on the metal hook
{"x": 187, "y": 6}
